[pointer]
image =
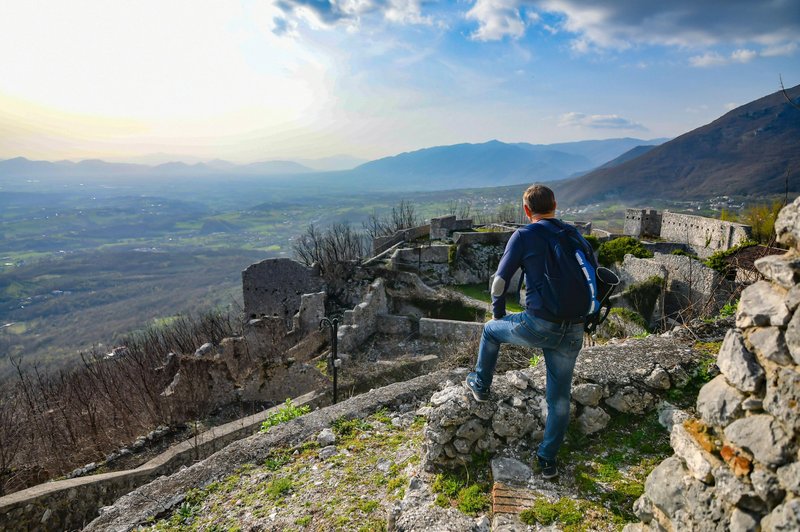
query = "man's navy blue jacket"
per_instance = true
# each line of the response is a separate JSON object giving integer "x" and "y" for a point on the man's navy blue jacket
{"x": 527, "y": 249}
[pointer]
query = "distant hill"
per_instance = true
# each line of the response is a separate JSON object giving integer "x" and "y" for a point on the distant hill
{"x": 492, "y": 163}
{"x": 627, "y": 156}
{"x": 745, "y": 152}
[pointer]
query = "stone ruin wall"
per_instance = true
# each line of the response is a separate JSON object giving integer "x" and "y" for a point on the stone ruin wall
{"x": 737, "y": 466}
{"x": 273, "y": 287}
{"x": 704, "y": 235}
{"x": 642, "y": 222}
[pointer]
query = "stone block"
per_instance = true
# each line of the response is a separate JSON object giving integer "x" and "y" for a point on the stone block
{"x": 767, "y": 486}
{"x": 397, "y": 325}
{"x": 719, "y": 403}
{"x": 699, "y": 462}
{"x": 781, "y": 269}
{"x": 769, "y": 343}
{"x": 763, "y": 436}
{"x": 630, "y": 400}
{"x": 587, "y": 394}
{"x": 736, "y": 491}
{"x": 792, "y": 336}
{"x": 787, "y": 225}
{"x": 664, "y": 486}
{"x": 742, "y": 521}
{"x": 658, "y": 379}
{"x": 761, "y": 305}
{"x": 592, "y": 419}
{"x": 782, "y": 399}
{"x": 789, "y": 477}
{"x": 510, "y": 471}
{"x": 738, "y": 364}
{"x": 273, "y": 287}
{"x": 669, "y": 415}
{"x": 785, "y": 517}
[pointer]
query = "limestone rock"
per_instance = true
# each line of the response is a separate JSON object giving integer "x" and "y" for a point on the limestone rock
{"x": 793, "y": 298}
{"x": 761, "y": 305}
{"x": 742, "y": 521}
{"x": 462, "y": 446}
{"x": 719, "y": 403}
{"x": 439, "y": 435}
{"x": 448, "y": 394}
{"x": 670, "y": 415}
{"x": 327, "y": 452}
{"x": 787, "y": 225}
{"x": 204, "y": 349}
{"x": 471, "y": 430}
{"x": 326, "y": 437}
{"x": 789, "y": 477}
{"x": 658, "y": 379}
{"x": 766, "y": 485}
{"x": 738, "y": 364}
{"x": 752, "y": 404}
{"x": 769, "y": 343}
{"x": 763, "y": 436}
{"x": 781, "y": 269}
{"x": 511, "y": 423}
{"x": 664, "y": 486}
{"x": 517, "y": 379}
{"x": 510, "y": 471}
{"x": 783, "y": 397}
{"x": 785, "y": 517}
{"x": 592, "y": 419}
{"x": 792, "y": 336}
{"x": 699, "y": 462}
{"x": 735, "y": 491}
{"x": 587, "y": 394}
{"x": 631, "y": 400}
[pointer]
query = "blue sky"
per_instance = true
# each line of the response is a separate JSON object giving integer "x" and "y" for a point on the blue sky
{"x": 259, "y": 80}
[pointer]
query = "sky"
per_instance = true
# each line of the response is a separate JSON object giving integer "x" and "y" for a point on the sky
{"x": 287, "y": 79}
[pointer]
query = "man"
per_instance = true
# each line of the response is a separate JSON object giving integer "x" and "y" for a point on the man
{"x": 559, "y": 268}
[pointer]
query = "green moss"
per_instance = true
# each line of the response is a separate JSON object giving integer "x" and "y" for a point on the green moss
{"x": 631, "y": 316}
{"x": 614, "y": 251}
{"x": 278, "y": 488}
{"x": 303, "y": 521}
{"x": 717, "y": 260}
{"x": 349, "y": 427}
{"x": 452, "y": 256}
{"x": 683, "y": 253}
{"x": 643, "y": 296}
{"x": 565, "y": 511}
{"x": 473, "y": 499}
{"x": 447, "y": 483}
{"x": 442, "y": 500}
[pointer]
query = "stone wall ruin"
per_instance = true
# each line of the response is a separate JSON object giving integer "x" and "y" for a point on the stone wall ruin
{"x": 736, "y": 466}
{"x": 273, "y": 287}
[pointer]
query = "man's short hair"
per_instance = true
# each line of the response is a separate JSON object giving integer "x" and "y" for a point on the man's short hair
{"x": 539, "y": 199}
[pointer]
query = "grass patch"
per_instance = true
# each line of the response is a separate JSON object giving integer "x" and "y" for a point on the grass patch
{"x": 282, "y": 415}
{"x": 481, "y": 293}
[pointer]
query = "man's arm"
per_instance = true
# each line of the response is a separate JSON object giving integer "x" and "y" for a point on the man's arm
{"x": 509, "y": 264}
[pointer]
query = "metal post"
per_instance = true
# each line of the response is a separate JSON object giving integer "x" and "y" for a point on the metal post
{"x": 334, "y": 327}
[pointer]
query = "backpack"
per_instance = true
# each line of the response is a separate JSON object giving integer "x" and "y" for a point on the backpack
{"x": 569, "y": 290}
{"x": 573, "y": 287}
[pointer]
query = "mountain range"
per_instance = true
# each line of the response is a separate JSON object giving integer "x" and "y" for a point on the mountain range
{"x": 748, "y": 151}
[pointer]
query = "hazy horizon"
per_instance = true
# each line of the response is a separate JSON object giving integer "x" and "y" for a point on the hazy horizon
{"x": 301, "y": 80}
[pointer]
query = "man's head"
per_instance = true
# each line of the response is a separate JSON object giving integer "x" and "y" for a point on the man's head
{"x": 539, "y": 202}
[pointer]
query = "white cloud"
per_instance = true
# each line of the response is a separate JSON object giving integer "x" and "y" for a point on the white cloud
{"x": 497, "y": 19}
{"x": 707, "y": 59}
{"x": 730, "y": 106}
{"x": 779, "y": 50}
{"x": 574, "y": 119}
{"x": 743, "y": 55}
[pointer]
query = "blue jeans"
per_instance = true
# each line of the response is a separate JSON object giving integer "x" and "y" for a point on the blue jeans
{"x": 560, "y": 343}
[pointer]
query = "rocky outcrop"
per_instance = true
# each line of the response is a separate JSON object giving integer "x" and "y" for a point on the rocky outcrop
{"x": 626, "y": 378}
{"x": 737, "y": 467}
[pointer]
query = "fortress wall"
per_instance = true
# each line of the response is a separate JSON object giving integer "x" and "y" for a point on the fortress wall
{"x": 273, "y": 287}
{"x": 449, "y": 329}
{"x": 382, "y": 243}
{"x": 704, "y": 235}
{"x": 642, "y": 222}
{"x": 443, "y": 226}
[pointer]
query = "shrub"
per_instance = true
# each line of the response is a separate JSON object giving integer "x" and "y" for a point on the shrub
{"x": 683, "y": 253}
{"x": 717, "y": 260}
{"x": 643, "y": 296}
{"x": 473, "y": 499}
{"x": 631, "y": 316}
{"x": 614, "y": 251}
{"x": 593, "y": 241}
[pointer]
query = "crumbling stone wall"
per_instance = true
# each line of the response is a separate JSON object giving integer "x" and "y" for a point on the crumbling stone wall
{"x": 273, "y": 287}
{"x": 382, "y": 243}
{"x": 444, "y": 226}
{"x": 692, "y": 285}
{"x": 624, "y": 377}
{"x": 737, "y": 466}
{"x": 704, "y": 235}
{"x": 362, "y": 322}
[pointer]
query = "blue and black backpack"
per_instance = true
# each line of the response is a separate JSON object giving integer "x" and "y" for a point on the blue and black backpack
{"x": 574, "y": 287}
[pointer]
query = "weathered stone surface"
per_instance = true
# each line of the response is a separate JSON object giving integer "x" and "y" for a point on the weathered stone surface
{"x": 787, "y": 225}
{"x": 699, "y": 463}
{"x": 742, "y": 521}
{"x": 782, "y": 269}
{"x": 738, "y": 364}
{"x": 511, "y": 423}
{"x": 789, "y": 477}
{"x": 587, "y": 394}
{"x": 510, "y": 471}
{"x": 763, "y": 436}
{"x": 783, "y": 397}
{"x": 769, "y": 343}
{"x": 631, "y": 400}
{"x": 719, "y": 403}
{"x": 517, "y": 379}
{"x": 762, "y": 304}
{"x": 792, "y": 336}
{"x": 592, "y": 419}
{"x": 752, "y": 404}
{"x": 471, "y": 430}
{"x": 735, "y": 491}
{"x": 793, "y": 298}
{"x": 664, "y": 486}
{"x": 440, "y": 435}
{"x": 273, "y": 287}
{"x": 417, "y": 512}
{"x": 658, "y": 379}
{"x": 766, "y": 485}
{"x": 704, "y": 510}
{"x": 462, "y": 446}
{"x": 785, "y": 517}
{"x": 327, "y": 452}
{"x": 670, "y": 415}
{"x": 326, "y": 437}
